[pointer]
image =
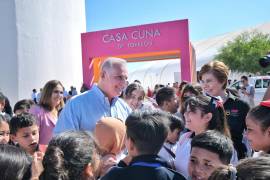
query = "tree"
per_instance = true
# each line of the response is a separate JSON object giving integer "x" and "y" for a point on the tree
{"x": 243, "y": 53}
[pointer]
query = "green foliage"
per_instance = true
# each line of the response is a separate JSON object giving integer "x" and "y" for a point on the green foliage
{"x": 242, "y": 54}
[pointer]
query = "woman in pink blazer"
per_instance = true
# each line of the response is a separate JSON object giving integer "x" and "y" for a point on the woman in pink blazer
{"x": 46, "y": 112}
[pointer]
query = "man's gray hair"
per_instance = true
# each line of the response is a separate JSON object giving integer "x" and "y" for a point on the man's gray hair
{"x": 111, "y": 61}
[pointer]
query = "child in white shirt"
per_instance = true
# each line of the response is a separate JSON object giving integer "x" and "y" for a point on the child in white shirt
{"x": 168, "y": 149}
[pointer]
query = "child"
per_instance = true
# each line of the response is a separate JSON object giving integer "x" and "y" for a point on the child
{"x": 4, "y": 129}
{"x": 70, "y": 155}
{"x": 249, "y": 169}
{"x": 14, "y": 163}
{"x": 23, "y": 106}
{"x": 24, "y": 132}
{"x": 146, "y": 133}
{"x": 188, "y": 91}
{"x": 202, "y": 113}
{"x": 168, "y": 149}
{"x": 110, "y": 135}
{"x": 258, "y": 127}
{"x": 209, "y": 150}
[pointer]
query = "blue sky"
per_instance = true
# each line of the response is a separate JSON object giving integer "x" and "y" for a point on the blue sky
{"x": 207, "y": 18}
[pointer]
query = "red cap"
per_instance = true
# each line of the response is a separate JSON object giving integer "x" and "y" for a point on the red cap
{"x": 265, "y": 103}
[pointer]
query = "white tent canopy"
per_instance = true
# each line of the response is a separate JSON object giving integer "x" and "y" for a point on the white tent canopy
{"x": 164, "y": 71}
{"x": 168, "y": 71}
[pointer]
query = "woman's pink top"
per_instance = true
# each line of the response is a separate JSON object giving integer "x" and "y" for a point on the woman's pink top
{"x": 46, "y": 123}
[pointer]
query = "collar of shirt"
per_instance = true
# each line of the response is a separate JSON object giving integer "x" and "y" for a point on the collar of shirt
{"x": 104, "y": 98}
{"x": 149, "y": 159}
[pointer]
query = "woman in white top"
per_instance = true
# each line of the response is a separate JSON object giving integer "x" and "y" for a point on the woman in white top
{"x": 202, "y": 113}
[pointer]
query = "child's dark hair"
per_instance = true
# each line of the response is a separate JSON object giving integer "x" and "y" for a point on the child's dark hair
{"x": 261, "y": 114}
{"x": 164, "y": 94}
{"x": 254, "y": 168}
{"x": 175, "y": 122}
{"x": 14, "y": 163}
{"x": 181, "y": 86}
{"x": 23, "y": 104}
{"x": 215, "y": 142}
{"x": 132, "y": 87}
{"x": 21, "y": 121}
{"x": 67, "y": 155}
{"x": 247, "y": 169}
{"x": 224, "y": 173}
{"x": 209, "y": 105}
{"x": 148, "y": 130}
{"x": 193, "y": 89}
{"x": 190, "y": 88}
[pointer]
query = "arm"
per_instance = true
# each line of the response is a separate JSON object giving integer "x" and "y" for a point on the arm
{"x": 251, "y": 93}
{"x": 106, "y": 163}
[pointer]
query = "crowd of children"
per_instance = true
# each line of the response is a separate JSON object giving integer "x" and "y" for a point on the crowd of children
{"x": 196, "y": 133}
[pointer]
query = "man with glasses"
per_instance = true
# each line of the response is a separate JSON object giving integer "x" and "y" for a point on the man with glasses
{"x": 83, "y": 111}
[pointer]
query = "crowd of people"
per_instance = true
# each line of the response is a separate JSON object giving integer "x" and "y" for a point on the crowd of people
{"x": 117, "y": 130}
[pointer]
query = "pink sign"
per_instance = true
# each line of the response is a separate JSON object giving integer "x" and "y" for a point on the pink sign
{"x": 158, "y": 37}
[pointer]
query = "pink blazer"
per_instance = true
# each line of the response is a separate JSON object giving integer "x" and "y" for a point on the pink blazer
{"x": 46, "y": 123}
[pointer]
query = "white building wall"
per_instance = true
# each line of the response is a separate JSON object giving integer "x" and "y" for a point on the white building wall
{"x": 44, "y": 43}
{"x": 8, "y": 49}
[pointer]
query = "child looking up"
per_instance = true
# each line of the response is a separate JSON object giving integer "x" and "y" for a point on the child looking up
{"x": 209, "y": 150}
{"x": 258, "y": 127}
{"x": 202, "y": 113}
{"x": 24, "y": 132}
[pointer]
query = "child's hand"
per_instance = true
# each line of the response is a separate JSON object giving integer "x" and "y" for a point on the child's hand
{"x": 106, "y": 163}
{"x": 43, "y": 147}
{"x": 37, "y": 167}
{"x": 127, "y": 159}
